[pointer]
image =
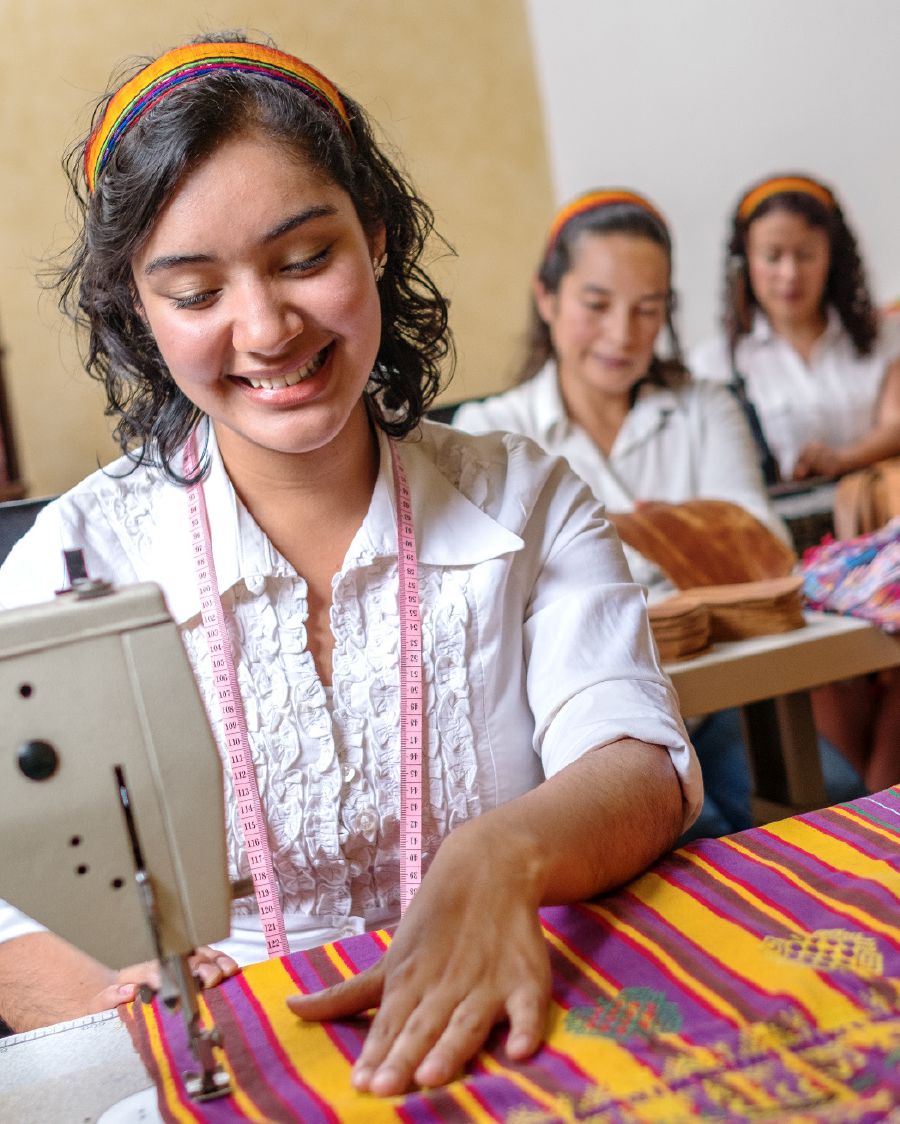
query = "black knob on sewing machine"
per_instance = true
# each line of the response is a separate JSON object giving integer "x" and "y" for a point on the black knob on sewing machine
{"x": 38, "y": 760}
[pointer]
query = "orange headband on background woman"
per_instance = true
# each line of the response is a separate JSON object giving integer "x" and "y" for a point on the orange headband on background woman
{"x": 778, "y": 185}
{"x": 595, "y": 201}
{"x": 186, "y": 64}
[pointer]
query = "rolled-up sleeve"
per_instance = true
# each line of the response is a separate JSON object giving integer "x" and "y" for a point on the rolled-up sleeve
{"x": 608, "y": 684}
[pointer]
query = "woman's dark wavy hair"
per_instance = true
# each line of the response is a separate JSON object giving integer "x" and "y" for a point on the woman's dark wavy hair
{"x": 846, "y": 288}
{"x": 95, "y": 284}
{"x": 614, "y": 218}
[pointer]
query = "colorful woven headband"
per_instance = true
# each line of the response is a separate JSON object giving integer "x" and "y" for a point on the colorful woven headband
{"x": 595, "y": 201}
{"x": 186, "y": 64}
{"x": 778, "y": 185}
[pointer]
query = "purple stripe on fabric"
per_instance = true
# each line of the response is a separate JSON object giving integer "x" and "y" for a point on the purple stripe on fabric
{"x": 760, "y": 926}
{"x": 174, "y": 1039}
{"x": 624, "y": 963}
{"x": 347, "y": 1035}
{"x": 261, "y": 1061}
{"x": 836, "y": 885}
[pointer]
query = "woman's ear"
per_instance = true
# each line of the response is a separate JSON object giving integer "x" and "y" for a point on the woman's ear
{"x": 544, "y": 300}
{"x": 378, "y": 241}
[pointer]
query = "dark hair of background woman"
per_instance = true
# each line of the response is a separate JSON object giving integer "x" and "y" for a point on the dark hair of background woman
{"x": 616, "y": 218}
{"x": 845, "y": 288}
{"x": 95, "y": 283}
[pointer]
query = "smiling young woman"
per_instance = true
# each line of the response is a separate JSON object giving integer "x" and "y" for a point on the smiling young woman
{"x": 249, "y": 276}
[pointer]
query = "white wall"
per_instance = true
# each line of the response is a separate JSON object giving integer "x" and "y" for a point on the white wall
{"x": 691, "y": 100}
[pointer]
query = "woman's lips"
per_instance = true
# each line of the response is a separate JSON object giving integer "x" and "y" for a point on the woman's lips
{"x": 260, "y": 380}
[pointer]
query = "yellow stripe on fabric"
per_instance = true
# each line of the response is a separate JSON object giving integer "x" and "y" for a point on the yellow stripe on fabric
{"x": 242, "y": 1101}
{"x": 170, "y": 1086}
{"x": 747, "y": 893}
{"x": 836, "y": 854}
{"x": 742, "y": 955}
{"x": 320, "y": 1063}
{"x": 551, "y": 1101}
{"x": 588, "y": 970}
{"x": 616, "y": 1070}
{"x": 871, "y": 825}
{"x": 687, "y": 915}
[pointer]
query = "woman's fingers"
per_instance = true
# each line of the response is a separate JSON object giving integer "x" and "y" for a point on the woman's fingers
{"x": 350, "y": 997}
{"x": 210, "y": 966}
{"x": 112, "y": 996}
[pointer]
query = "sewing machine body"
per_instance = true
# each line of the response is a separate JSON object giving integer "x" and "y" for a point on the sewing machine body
{"x": 104, "y": 681}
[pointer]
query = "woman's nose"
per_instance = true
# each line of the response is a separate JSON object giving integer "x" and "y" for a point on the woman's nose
{"x": 263, "y": 321}
{"x": 621, "y": 327}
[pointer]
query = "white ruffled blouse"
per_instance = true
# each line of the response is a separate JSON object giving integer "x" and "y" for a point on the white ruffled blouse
{"x": 536, "y": 648}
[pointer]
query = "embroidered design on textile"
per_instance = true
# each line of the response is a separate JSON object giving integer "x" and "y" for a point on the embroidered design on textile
{"x": 634, "y": 1011}
{"x": 829, "y": 950}
{"x": 775, "y": 1071}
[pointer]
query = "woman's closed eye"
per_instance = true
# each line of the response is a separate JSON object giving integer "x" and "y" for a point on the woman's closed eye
{"x": 195, "y": 300}
{"x": 307, "y": 265}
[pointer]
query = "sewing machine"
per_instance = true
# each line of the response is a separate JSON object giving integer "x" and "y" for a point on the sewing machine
{"x": 111, "y": 813}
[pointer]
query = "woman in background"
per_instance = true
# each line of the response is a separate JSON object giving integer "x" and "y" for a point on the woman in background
{"x": 634, "y": 425}
{"x": 802, "y": 335}
{"x": 801, "y": 331}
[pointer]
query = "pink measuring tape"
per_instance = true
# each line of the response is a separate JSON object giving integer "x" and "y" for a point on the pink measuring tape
{"x": 253, "y": 825}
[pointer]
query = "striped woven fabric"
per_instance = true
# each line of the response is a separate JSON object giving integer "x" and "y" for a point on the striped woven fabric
{"x": 743, "y": 979}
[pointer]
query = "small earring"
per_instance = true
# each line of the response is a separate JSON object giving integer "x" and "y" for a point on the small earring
{"x": 378, "y": 265}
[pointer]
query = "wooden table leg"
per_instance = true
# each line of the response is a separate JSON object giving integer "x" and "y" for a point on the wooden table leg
{"x": 784, "y": 756}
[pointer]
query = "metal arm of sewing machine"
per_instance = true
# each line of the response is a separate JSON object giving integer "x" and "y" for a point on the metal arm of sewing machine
{"x": 112, "y": 820}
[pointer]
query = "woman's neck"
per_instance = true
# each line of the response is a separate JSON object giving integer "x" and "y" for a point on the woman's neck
{"x": 310, "y": 504}
{"x": 802, "y": 335}
{"x": 599, "y": 414}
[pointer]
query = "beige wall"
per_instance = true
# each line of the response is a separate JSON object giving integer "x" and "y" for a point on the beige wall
{"x": 450, "y": 81}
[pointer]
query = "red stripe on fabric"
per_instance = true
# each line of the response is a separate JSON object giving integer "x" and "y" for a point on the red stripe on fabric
{"x": 279, "y": 1051}
{"x": 184, "y": 1100}
{"x": 330, "y": 1027}
{"x": 689, "y": 984}
{"x": 841, "y": 876}
{"x": 829, "y": 980}
{"x": 849, "y": 839}
{"x": 754, "y": 891}
{"x": 246, "y": 1069}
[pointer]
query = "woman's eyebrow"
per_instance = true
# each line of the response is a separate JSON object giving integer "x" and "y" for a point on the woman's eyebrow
{"x": 292, "y": 222}
{"x": 323, "y": 210}
{"x": 600, "y": 291}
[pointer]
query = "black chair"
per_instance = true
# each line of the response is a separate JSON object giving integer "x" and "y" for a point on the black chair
{"x": 16, "y": 516}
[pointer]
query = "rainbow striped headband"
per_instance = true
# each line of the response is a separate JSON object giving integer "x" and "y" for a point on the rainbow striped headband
{"x": 778, "y": 185}
{"x": 186, "y": 64}
{"x": 594, "y": 201}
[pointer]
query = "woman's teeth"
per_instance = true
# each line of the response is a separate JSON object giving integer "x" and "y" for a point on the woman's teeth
{"x": 280, "y": 382}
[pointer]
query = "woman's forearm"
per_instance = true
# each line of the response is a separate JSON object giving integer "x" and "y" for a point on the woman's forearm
{"x": 594, "y": 825}
{"x": 46, "y": 980}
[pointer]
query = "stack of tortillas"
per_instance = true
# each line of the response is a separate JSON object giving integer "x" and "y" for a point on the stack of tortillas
{"x": 734, "y": 574}
{"x": 680, "y": 628}
{"x": 744, "y": 609}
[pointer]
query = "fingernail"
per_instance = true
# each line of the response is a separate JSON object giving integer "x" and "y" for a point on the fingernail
{"x": 361, "y": 1077}
{"x": 385, "y": 1081}
{"x": 126, "y": 992}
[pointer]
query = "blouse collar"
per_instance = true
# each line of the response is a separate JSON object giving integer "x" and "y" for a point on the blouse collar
{"x": 450, "y": 529}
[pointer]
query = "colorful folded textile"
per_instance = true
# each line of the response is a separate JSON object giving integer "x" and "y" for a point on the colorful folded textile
{"x": 858, "y": 577}
{"x": 755, "y": 977}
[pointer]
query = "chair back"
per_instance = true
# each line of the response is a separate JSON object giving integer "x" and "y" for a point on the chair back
{"x": 16, "y": 517}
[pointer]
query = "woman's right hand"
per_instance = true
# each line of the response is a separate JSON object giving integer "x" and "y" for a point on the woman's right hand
{"x": 208, "y": 965}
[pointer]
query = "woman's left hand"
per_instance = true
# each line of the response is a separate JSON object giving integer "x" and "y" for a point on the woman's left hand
{"x": 818, "y": 459}
{"x": 468, "y": 954}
